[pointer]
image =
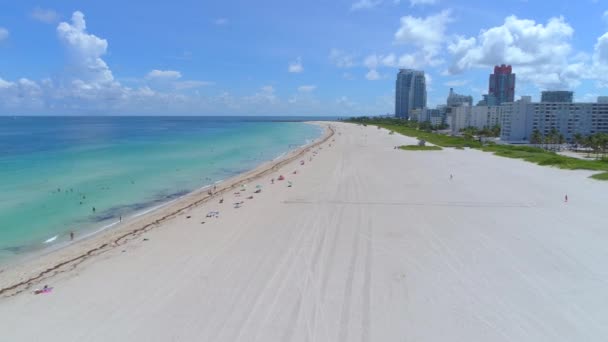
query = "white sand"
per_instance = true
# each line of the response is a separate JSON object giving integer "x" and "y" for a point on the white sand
{"x": 370, "y": 244}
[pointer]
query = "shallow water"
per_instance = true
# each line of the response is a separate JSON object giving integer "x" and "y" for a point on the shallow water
{"x": 65, "y": 174}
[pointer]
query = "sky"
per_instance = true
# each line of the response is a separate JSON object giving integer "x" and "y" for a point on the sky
{"x": 273, "y": 57}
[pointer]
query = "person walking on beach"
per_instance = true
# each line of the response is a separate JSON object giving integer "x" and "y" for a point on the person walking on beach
{"x": 451, "y": 176}
{"x": 566, "y": 198}
{"x": 71, "y": 236}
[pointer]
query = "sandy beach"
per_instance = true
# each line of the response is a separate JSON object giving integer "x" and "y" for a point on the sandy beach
{"x": 368, "y": 244}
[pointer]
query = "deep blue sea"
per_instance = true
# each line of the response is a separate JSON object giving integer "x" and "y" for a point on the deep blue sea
{"x": 63, "y": 174}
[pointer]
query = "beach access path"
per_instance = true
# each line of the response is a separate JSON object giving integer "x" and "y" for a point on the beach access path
{"x": 369, "y": 243}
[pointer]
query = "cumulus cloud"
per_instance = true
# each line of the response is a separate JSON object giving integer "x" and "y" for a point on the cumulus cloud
{"x": 47, "y": 16}
{"x": 599, "y": 66}
{"x": 540, "y": 53}
{"x": 88, "y": 86}
{"x": 296, "y": 66}
{"x": 85, "y": 51}
{"x": 364, "y": 4}
{"x": 3, "y": 33}
{"x": 341, "y": 59}
{"x": 427, "y": 34}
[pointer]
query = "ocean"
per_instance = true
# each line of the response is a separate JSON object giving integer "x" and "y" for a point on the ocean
{"x": 81, "y": 174}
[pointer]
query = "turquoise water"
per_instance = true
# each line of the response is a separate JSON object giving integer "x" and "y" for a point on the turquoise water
{"x": 54, "y": 171}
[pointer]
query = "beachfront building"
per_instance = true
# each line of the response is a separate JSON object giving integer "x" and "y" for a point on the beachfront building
{"x": 520, "y": 118}
{"x": 435, "y": 116}
{"x": 410, "y": 92}
{"x": 557, "y": 96}
{"x": 459, "y": 118}
{"x": 455, "y": 99}
{"x": 479, "y": 117}
{"x": 502, "y": 84}
{"x": 487, "y": 100}
{"x": 602, "y": 99}
{"x": 485, "y": 116}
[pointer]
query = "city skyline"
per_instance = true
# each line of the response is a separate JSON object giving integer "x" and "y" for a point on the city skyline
{"x": 192, "y": 58}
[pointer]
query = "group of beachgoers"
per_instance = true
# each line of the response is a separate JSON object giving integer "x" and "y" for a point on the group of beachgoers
{"x": 212, "y": 191}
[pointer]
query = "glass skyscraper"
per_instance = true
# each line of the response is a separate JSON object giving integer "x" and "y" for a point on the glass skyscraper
{"x": 502, "y": 84}
{"x": 410, "y": 92}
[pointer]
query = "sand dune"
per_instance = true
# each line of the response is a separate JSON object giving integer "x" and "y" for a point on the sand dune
{"x": 369, "y": 244}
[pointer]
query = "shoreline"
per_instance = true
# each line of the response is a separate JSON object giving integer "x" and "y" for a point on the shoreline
{"x": 359, "y": 242}
{"x": 28, "y": 270}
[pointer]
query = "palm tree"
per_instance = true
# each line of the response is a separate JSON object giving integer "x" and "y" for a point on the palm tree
{"x": 561, "y": 140}
{"x": 577, "y": 139}
{"x": 536, "y": 138}
{"x": 553, "y": 136}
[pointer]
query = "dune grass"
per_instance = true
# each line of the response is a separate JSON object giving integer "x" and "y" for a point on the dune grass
{"x": 420, "y": 148}
{"x": 531, "y": 154}
{"x": 433, "y": 138}
{"x": 601, "y": 176}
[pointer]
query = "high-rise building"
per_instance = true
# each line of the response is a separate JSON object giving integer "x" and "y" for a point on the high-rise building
{"x": 521, "y": 118}
{"x": 410, "y": 92}
{"x": 455, "y": 99}
{"x": 562, "y": 96}
{"x": 502, "y": 84}
{"x": 602, "y": 99}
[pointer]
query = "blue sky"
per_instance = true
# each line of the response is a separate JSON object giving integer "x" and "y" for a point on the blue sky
{"x": 287, "y": 57}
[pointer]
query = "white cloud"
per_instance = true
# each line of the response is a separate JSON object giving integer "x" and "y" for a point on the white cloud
{"x": 599, "y": 68}
{"x": 296, "y": 66}
{"x": 600, "y": 55}
{"x": 47, "y": 16}
{"x": 307, "y": 88}
{"x": 163, "y": 75}
{"x": 341, "y": 59}
{"x": 220, "y": 21}
{"x": 372, "y": 75}
{"x": 365, "y": 4}
{"x": 171, "y": 79}
{"x": 85, "y": 51}
{"x": 605, "y": 16}
{"x": 266, "y": 95}
{"x": 539, "y": 53}
{"x": 3, "y": 33}
{"x": 426, "y": 34}
{"x": 422, "y": 2}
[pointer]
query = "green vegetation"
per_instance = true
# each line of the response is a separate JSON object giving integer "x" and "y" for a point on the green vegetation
{"x": 484, "y": 132}
{"x": 422, "y": 131}
{"x": 601, "y": 176}
{"x": 420, "y": 148}
{"x": 598, "y": 143}
{"x": 547, "y": 158}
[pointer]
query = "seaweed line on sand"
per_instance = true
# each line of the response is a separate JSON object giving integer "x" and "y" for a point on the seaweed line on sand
{"x": 71, "y": 264}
